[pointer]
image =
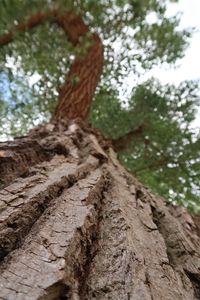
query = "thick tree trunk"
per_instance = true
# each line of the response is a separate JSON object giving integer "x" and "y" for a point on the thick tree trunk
{"x": 76, "y": 225}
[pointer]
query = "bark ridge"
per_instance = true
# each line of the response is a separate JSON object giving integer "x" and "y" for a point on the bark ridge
{"x": 77, "y": 225}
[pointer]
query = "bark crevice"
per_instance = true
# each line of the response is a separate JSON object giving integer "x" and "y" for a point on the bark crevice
{"x": 102, "y": 236}
{"x": 26, "y": 202}
{"x": 195, "y": 280}
{"x": 17, "y": 157}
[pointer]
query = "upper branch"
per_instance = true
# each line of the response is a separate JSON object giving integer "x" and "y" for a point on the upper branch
{"x": 74, "y": 99}
{"x": 122, "y": 143}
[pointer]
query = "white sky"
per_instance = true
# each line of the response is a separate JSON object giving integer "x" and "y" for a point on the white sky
{"x": 190, "y": 64}
{"x": 188, "y": 68}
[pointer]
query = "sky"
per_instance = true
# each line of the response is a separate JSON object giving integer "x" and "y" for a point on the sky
{"x": 189, "y": 66}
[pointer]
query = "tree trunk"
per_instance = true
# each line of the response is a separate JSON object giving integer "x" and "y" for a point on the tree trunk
{"x": 76, "y": 225}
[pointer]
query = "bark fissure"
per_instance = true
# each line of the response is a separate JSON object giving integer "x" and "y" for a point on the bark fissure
{"x": 87, "y": 237}
{"x": 102, "y": 236}
{"x": 16, "y": 158}
{"x": 58, "y": 180}
{"x": 181, "y": 247}
{"x": 77, "y": 245}
{"x": 24, "y": 201}
{"x": 195, "y": 280}
{"x": 58, "y": 290}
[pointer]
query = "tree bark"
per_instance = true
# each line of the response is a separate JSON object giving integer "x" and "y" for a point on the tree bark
{"x": 77, "y": 225}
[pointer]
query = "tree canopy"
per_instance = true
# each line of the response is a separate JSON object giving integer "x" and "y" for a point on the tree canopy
{"x": 151, "y": 128}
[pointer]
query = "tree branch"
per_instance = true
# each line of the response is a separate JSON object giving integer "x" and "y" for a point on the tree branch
{"x": 152, "y": 166}
{"x": 122, "y": 143}
{"x": 33, "y": 21}
{"x": 74, "y": 99}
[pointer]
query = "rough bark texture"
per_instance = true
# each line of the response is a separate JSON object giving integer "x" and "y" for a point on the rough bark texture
{"x": 77, "y": 225}
{"x": 76, "y": 95}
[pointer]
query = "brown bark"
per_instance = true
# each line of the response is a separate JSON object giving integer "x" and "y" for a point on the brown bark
{"x": 16, "y": 157}
{"x": 79, "y": 226}
{"x": 75, "y": 98}
{"x": 76, "y": 95}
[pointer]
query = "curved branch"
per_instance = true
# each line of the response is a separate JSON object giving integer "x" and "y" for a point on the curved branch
{"x": 122, "y": 143}
{"x": 74, "y": 99}
{"x": 153, "y": 166}
{"x": 33, "y": 21}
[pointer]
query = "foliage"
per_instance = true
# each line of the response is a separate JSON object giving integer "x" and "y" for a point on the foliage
{"x": 165, "y": 154}
{"x": 33, "y": 67}
{"x": 44, "y": 52}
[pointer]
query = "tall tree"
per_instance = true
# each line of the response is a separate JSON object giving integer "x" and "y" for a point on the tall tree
{"x": 140, "y": 37}
{"x": 74, "y": 223}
